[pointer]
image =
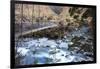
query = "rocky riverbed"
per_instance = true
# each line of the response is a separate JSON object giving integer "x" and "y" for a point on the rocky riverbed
{"x": 76, "y": 46}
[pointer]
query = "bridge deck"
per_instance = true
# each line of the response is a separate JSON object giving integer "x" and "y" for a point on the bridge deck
{"x": 35, "y": 30}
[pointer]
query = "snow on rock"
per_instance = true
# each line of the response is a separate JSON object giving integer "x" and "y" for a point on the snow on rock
{"x": 70, "y": 43}
{"x": 50, "y": 43}
{"x": 43, "y": 39}
{"x": 61, "y": 55}
{"x": 53, "y": 46}
{"x": 59, "y": 41}
{"x": 70, "y": 58}
{"x": 22, "y": 51}
{"x": 31, "y": 43}
{"x": 64, "y": 45}
{"x": 65, "y": 37}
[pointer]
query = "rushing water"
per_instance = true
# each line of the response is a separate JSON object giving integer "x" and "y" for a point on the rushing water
{"x": 46, "y": 51}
